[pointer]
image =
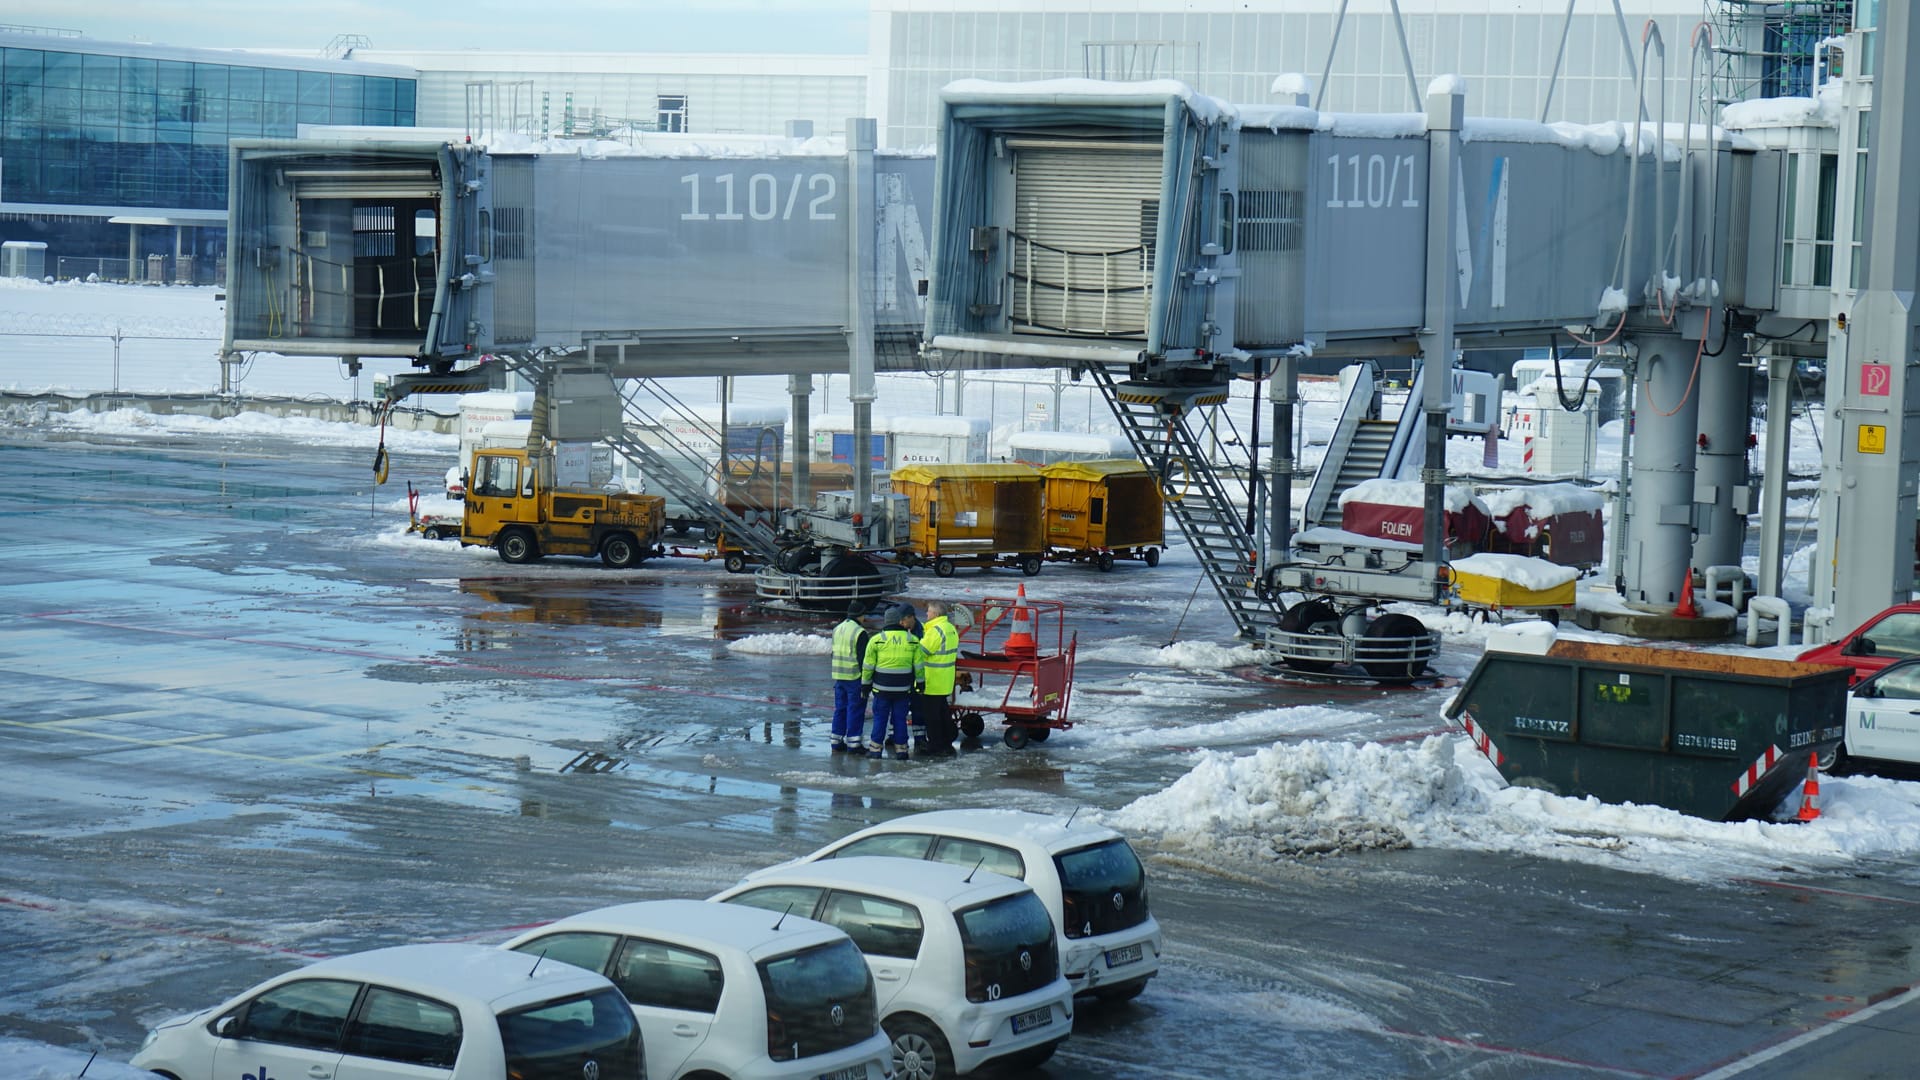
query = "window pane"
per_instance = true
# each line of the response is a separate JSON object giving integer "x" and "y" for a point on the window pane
{"x": 210, "y": 79}
{"x": 401, "y": 1027}
{"x": 972, "y": 853}
{"x": 100, "y": 72}
{"x": 310, "y": 1013}
{"x": 63, "y": 69}
{"x": 245, "y": 82}
{"x": 1895, "y": 635}
{"x": 898, "y": 845}
{"x": 880, "y": 927}
{"x": 346, "y": 91}
{"x": 315, "y": 89}
{"x": 590, "y": 951}
{"x": 282, "y": 86}
{"x": 174, "y": 75}
{"x": 379, "y": 93}
{"x": 23, "y": 66}
{"x": 796, "y": 899}
{"x": 403, "y": 94}
{"x": 652, "y": 973}
{"x": 136, "y": 74}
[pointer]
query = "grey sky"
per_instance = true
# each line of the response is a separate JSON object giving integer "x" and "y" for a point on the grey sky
{"x": 815, "y": 26}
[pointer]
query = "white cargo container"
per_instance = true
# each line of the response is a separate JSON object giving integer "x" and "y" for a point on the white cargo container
{"x": 940, "y": 440}
{"x": 479, "y": 410}
{"x": 833, "y": 439}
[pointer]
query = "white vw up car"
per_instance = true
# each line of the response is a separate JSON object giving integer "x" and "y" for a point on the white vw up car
{"x": 724, "y": 991}
{"x": 459, "y": 1012}
{"x": 1086, "y": 874}
{"x": 964, "y": 960}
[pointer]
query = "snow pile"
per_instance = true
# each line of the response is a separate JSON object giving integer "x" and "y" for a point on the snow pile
{"x": 1447, "y": 84}
{"x": 1292, "y": 84}
{"x": 1543, "y": 500}
{"x": 1408, "y": 493}
{"x": 1323, "y": 797}
{"x": 251, "y": 425}
{"x": 1613, "y": 303}
{"x": 1533, "y": 637}
{"x": 782, "y": 645}
{"x": 1186, "y": 655}
{"x": 1522, "y": 570}
{"x": 21, "y": 1059}
{"x": 1311, "y": 797}
{"x": 1821, "y": 110}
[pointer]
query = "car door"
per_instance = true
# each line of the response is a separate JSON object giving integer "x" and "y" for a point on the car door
{"x": 290, "y": 1032}
{"x": 675, "y": 992}
{"x": 888, "y": 932}
{"x": 1883, "y": 715}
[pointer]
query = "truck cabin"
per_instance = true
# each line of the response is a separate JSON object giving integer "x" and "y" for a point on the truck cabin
{"x": 498, "y": 474}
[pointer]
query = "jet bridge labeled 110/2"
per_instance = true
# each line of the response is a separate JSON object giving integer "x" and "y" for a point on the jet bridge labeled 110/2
{"x": 652, "y": 265}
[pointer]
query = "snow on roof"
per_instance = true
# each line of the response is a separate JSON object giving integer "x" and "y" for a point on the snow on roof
{"x": 1820, "y": 110}
{"x": 1543, "y": 500}
{"x": 1086, "y": 92}
{"x": 1327, "y": 535}
{"x": 1525, "y": 571}
{"x": 704, "y": 923}
{"x": 1408, "y": 493}
{"x": 930, "y": 883}
{"x": 739, "y": 415}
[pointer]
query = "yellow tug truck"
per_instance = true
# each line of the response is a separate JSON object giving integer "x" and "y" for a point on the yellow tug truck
{"x": 512, "y": 507}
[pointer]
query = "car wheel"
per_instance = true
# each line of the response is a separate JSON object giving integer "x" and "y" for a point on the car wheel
{"x": 919, "y": 1050}
{"x": 620, "y": 551}
{"x": 1834, "y": 760}
{"x": 1030, "y": 565}
{"x": 518, "y": 546}
{"x": 1153, "y": 557}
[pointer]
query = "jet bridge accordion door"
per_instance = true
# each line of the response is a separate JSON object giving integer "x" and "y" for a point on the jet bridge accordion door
{"x": 1085, "y": 221}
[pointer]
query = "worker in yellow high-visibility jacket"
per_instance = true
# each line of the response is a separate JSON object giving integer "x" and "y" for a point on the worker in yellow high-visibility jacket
{"x": 933, "y": 698}
{"x": 849, "y": 693}
{"x": 892, "y": 668}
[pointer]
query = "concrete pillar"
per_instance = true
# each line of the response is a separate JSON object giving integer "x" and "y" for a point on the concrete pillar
{"x": 1721, "y": 478}
{"x": 133, "y": 253}
{"x": 1446, "y": 114}
{"x": 1659, "y": 551}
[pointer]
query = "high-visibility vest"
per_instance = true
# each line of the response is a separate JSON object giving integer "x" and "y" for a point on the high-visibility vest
{"x": 846, "y": 650}
{"x": 939, "y": 652}
{"x": 891, "y": 662}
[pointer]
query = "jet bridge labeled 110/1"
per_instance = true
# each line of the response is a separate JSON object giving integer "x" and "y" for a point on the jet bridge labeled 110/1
{"x": 654, "y": 265}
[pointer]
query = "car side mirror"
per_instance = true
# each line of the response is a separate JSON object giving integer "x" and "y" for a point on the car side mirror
{"x": 1857, "y": 647}
{"x": 227, "y": 1026}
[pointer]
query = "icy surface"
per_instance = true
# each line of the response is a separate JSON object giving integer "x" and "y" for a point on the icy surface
{"x": 783, "y": 645}
{"x": 22, "y": 1059}
{"x": 254, "y": 425}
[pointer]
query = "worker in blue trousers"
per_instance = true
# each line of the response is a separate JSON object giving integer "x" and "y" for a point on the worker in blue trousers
{"x": 892, "y": 667}
{"x": 849, "y": 692}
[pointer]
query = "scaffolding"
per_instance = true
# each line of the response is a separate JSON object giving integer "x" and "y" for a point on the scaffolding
{"x": 1770, "y": 49}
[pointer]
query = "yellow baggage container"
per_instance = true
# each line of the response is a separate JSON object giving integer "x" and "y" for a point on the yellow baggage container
{"x": 1487, "y": 590}
{"x": 980, "y": 514}
{"x": 1102, "y": 510}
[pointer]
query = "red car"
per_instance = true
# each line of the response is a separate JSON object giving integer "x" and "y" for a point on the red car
{"x": 1888, "y": 637}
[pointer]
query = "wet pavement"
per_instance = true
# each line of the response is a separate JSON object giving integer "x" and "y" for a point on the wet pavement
{"x": 248, "y": 724}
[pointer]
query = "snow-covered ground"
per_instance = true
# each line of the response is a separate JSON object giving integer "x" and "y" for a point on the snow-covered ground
{"x": 1310, "y": 783}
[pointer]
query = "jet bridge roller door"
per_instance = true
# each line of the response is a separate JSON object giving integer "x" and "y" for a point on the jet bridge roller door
{"x": 1085, "y": 221}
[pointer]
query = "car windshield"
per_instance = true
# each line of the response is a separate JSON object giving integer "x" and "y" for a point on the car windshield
{"x": 818, "y": 999}
{"x": 1896, "y": 635}
{"x": 556, "y": 1040}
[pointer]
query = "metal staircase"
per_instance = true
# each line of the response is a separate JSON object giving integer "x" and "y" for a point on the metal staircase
{"x": 657, "y": 465}
{"x": 1154, "y": 419}
{"x": 1362, "y": 448}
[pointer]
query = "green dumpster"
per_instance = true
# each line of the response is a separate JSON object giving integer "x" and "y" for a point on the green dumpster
{"x": 1715, "y": 735}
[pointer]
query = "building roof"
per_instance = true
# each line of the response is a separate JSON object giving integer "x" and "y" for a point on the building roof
{"x": 261, "y": 58}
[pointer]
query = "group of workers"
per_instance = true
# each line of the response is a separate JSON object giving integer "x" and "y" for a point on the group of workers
{"x": 906, "y": 668}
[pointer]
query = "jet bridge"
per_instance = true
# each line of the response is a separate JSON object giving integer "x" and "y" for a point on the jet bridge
{"x": 1168, "y": 242}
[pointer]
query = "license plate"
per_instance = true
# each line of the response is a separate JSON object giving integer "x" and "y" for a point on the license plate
{"x": 1027, "y": 1021}
{"x": 851, "y": 1072}
{"x": 1116, "y": 957}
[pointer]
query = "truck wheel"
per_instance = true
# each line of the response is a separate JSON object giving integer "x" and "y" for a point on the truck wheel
{"x": 943, "y": 567}
{"x": 435, "y": 532}
{"x": 620, "y": 551}
{"x": 710, "y": 532}
{"x": 1153, "y": 556}
{"x": 518, "y": 546}
{"x": 736, "y": 563}
{"x": 681, "y": 528}
{"x": 1030, "y": 565}
{"x": 1104, "y": 561}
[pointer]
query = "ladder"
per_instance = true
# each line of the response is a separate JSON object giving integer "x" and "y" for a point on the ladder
{"x": 1154, "y": 419}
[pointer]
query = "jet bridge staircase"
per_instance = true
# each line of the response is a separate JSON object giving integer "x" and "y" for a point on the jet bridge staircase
{"x": 1363, "y": 446}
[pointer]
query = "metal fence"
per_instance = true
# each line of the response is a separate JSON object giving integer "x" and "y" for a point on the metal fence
{"x": 146, "y": 270}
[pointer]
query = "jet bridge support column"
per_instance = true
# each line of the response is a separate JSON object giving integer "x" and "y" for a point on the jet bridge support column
{"x": 1286, "y": 393}
{"x": 800, "y": 390}
{"x": 1721, "y": 482}
{"x": 1658, "y": 561}
{"x": 1446, "y": 114}
{"x": 862, "y": 138}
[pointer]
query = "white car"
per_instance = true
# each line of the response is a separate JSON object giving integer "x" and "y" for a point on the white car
{"x": 729, "y": 991}
{"x": 449, "y": 1012}
{"x": 1086, "y": 874}
{"x": 964, "y": 960}
{"x": 1883, "y": 715}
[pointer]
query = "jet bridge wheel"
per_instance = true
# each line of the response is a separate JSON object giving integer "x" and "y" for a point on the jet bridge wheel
{"x": 1394, "y": 625}
{"x": 1311, "y": 617}
{"x": 736, "y": 563}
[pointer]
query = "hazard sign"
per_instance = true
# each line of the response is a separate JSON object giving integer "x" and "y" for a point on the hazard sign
{"x": 1872, "y": 440}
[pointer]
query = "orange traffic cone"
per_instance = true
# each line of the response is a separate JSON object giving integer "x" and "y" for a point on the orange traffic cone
{"x": 1020, "y": 641}
{"x": 1686, "y": 610}
{"x": 1810, "y": 795}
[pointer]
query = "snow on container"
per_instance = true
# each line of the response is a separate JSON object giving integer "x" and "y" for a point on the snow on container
{"x": 939, "y": 440}
{"x": 1041, "y": 448}
{"x": 1102, "y": 510}
{"x": 1557, "y": 522}
{"x": 1504, "y": 581}
{"x": 1396, "y": 510}
{"x": 1716, "y": 735}
{"x": 982, "y": 514}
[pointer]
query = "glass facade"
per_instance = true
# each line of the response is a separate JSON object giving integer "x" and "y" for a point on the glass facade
{"x": 96, "y": 129}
